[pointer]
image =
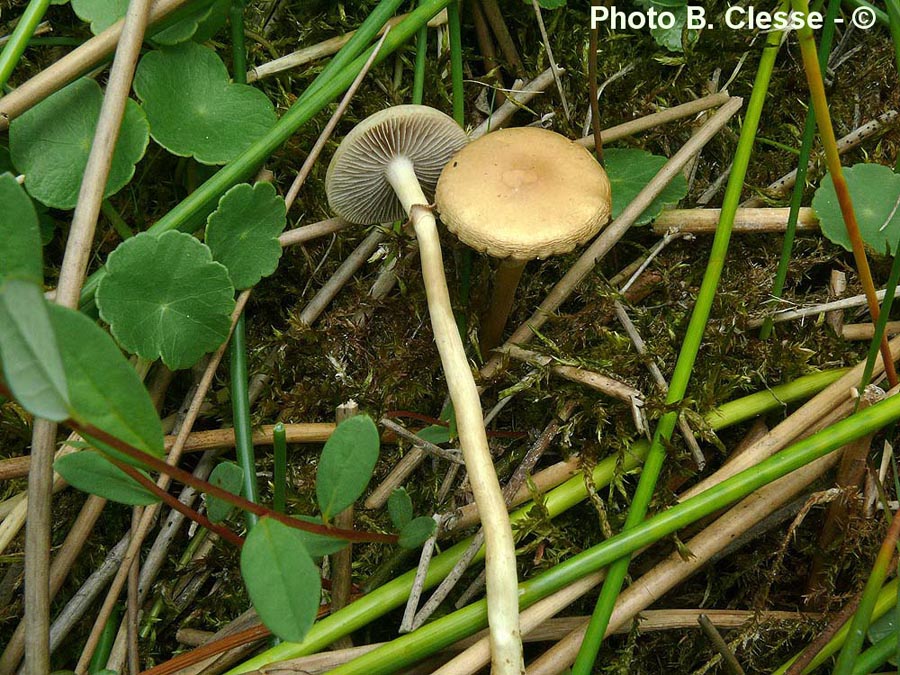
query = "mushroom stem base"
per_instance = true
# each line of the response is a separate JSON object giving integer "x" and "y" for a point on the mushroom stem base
{"x": 506, "y": 281}
{"x": 500, "y": 563}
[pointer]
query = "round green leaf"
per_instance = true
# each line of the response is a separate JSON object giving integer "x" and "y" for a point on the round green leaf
{"x": 346, "y": 464}
{"x": 91, "y": 472}
{"x": 242, "y": 232}
{"x": 164, "y": 297}
{"x": 20, "y": 254}
{"x": 230, "y": 477}
{"x": 416, "y": 532}
{"x": 281, "y": 578}
{"x": 194, "y": 110}
{"x": 101, "y": 14}
{"x": 629, "y": 172}
{"x": 104, "y": 389}
{"x": 875, "y": 191}
{"x": 50, "y": 143}
{"x": 400, "y": 508}
{"x": 32, "y": 363}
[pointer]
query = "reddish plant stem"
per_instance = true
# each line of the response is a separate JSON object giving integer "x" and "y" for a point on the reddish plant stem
{"x": 833, "y": 160}
{"x": 174, "y": 503}
{"x": 186, "y": 478}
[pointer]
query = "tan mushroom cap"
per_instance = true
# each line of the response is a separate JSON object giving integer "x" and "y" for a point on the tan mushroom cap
{"x": 523, "y": 193}
{"x": 356, "y": 182}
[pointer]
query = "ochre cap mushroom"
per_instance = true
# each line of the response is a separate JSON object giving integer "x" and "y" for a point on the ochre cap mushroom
{"x": 519, "y": 194}
{"x": 395, "y": 144}
{"x": 523, "y": 193}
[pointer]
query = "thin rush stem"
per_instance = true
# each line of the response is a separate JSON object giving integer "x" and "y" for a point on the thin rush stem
{"x": 686, "y": 357}
{"x": 809, "y": 136}
{"x": 502, "y": 592}
{"x": 833, "y": 160}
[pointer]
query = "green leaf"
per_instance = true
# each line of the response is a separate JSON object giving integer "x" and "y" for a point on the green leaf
{"x": 91, "y": 472}
{"x": 884, "y": 626}
{"x": 548, "y": 4}
{"x": 400, "y": 508}
{"x": 417, "y": 532}
{"x": 436, "y": 434}
{"x": 875, "y": 191}
{"x": 194, "y": 110}
{"x": 281, "y": 578}
{"x": 164, "y": 297}
{"x": 318, "y": 545}
{"x": 32, "y": 364}
{"x": 629, "y": 172}
{"x": 20, "y": 254}
{"x": 346, "y": 464}
{"x": 50, "y": 143}
{"x": 104, "y": 388}
{"x": 102, "y": 14}
{"x": 230, "y": 477}
{"x": 242, "y": 232}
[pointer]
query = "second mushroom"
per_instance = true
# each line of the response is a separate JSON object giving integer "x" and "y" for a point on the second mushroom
{"x": 520, "y": 194}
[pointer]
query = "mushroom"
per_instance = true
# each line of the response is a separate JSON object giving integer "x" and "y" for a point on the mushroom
{"x": 519, "y": 194}
{"x": 383, "y": 169}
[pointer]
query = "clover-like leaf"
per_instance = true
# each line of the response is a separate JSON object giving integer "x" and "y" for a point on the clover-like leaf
{"x": 400, "y": 508}
{"x": 875, "y": 191}
{"x": 20, "y": 253}
{"x": 194, "y": 110}
{"x": 91, "y": 472}
{"x": 32, "y": 363}
{"x": 165, "y": 297}
{"x": 104, "y": 389}
{"x": 346, "y": 464}
{"x": 242, "y": 232}
{"x": 281, "y": 578}
{"x": 230, "y": 477}
{"x": 629, "y": 172}
{"x": 416, "y": 532}
{"x": 50, "y": 143}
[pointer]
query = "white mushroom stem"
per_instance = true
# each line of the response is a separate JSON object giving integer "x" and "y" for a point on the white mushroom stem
{"x": 506, "y": 281}
{"x": 500, "y": 562}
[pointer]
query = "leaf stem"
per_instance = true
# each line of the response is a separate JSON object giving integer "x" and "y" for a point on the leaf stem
{"x": 686, "y": 357}
{"x": 279, "y": 478}
{"x": 833, "y": 160}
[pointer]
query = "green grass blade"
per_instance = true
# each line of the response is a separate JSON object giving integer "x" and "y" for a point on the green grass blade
{"x": 23, "y": 32}
{"x": 243, "y": 427}
{"x": 686, "y": 357}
